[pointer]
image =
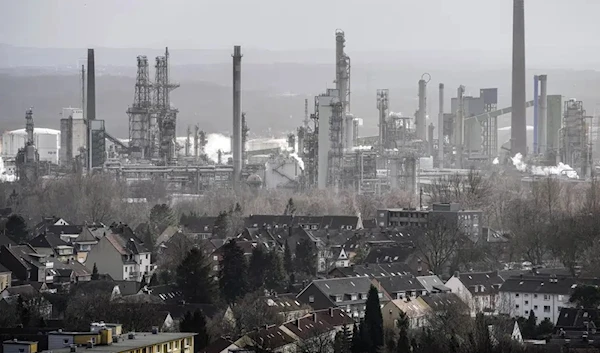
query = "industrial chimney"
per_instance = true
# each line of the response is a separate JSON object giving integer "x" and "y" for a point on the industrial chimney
{"x": 441, "y": 129}
{"x": 237, "y": 115}
{"x": 91, "y": 86}
{"x": 518, "y": 132}
{"x": 543, "y": 114}
{"x": 421, "y": 113}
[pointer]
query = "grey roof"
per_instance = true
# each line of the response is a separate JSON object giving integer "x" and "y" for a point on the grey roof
{"x": 142, "y": 339}
{"x": 47, "y": 240}
{"x": 441, "y": 301}
{"x": 490, "y": 281}
{"x": 433, "y": 283}
{"x": 346, "y": 285}
{"x": 573, "y": 318}
{"x": 540, "y": 285}
{"x": 400, "y": 284}
{"x": 4, "y": 269}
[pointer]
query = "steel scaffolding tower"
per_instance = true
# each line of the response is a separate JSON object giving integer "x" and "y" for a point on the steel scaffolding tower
{"x": 336, "y": 152}
{"x": 489, "y": 125}
{"x": 139, "y": 113}
{"x": 166, "y": 115}
{"x": 382, "y": 107}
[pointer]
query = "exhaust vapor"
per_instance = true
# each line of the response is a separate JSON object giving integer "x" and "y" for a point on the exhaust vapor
{"x": 560, "y": 169}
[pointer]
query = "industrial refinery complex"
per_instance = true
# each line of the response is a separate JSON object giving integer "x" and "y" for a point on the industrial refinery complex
{"x": 326, "y": 151}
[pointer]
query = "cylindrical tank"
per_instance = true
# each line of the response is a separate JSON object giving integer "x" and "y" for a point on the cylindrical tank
{"x": 47, "y": 142}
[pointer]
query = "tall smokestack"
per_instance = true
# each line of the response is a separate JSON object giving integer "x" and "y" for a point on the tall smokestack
{"x": 237, "y": 115}
{"x": 441, "y": 128}
{"x": 543, "y": 112}
{"x": 421, "y": 114}
{"x": 518, "y": 132}
{"x": 91, "y": 86}
{"x": 536, "y": 109}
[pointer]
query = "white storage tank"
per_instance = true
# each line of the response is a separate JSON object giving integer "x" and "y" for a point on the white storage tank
{"x": 47, "y": 142}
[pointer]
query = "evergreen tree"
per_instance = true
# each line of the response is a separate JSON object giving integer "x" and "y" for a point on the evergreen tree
{"x": 233, "y": 272}
{"x": 337, "y": 343}
{"x": 482, "y": 334}
{"x": 257, "y": 269}
{"x": 16, "y": 229}
{"x": 290, "y": 208}
{"x": 275, "y": 274}
{"x": 306, "y": 257}
{"x": 23, "y": 311}
{"x": 357, "y": 345}
{"x": 221, "y": 224}
{"x": 530, "y": 326}
{"x": 161, "y": 216}
{"x": 403, "y": 344}
{"x": 196, "y": 322}
{"x": 95, "y": 275}
{"x": 373, "y": 323}
{"x": 154, "y": 280}
{"x": 287, "y": 259}
{"x": 193, "y": 277}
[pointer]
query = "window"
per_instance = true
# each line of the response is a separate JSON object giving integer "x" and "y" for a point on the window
{"x": 517, "y": 306}
{"x": 527, "y": 302}
{"x": 546, "y": 308}
{"x": 380, "y": 295}
{"x": 546, "y": 297}
{"x": 215, "y": 258}
{"x": 535, "y": 307}
{"x": 517, "y": 295}
{"x": 338, "y": 298}
{"x": 215, "y": 267}
{"x": 526, "y": 312}
{"x": 526, "y": 295}
{"x": 535, "y": 295}
{"x": 126, "y": 268}
{"x": 146, "y": 256}
{"x": 311, "y": 298}
{"x": 354, "y": 297}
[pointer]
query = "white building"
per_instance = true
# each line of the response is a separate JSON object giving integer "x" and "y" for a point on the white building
{"x": 479, "y": 290}
{"x": 47, "y": 142}
{"x": 544, "y": 295}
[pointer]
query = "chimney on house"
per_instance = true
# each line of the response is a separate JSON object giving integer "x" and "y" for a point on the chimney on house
{"x": 331, "y": 312}
{"x": 457, "y": 274}
{"x": 314, "y": 317}
{"x": 298, "y": 323}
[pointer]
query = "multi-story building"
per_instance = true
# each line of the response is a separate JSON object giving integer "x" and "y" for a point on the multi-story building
{"x": 123, "y": 257}
{"x": 479, "y": 290}
{"x": 544, "y": 295}
{"x": 26, "y": 264}
{"x": 468, "y": 220}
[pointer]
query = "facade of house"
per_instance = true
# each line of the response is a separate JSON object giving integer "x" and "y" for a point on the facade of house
{"x": 414, "y": 310}
{"x": 544, "y": 295}
{"x": 84, "y": 243}
{"x": 400, "y": 287}
{"x": 26, "y": 264}
{"x": 121, "y": 257}
{"x": 53, "y": 245}
{"x": 479, "y": 290}
{"x": 349, "y": 294}
{"x": 5, "y": 277}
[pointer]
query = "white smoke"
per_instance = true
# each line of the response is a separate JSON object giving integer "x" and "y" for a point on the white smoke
{"x": 298, "y": 159}
{"x": 4, "y": 176}
{"x": 216, "y": 142}
{"x": 560, "y": 169}
{"x": 496, "y": 161}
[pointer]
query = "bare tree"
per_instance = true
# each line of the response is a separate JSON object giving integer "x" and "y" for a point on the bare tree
{"x": 439, "y": 242}
{"x": 318, "y": 340}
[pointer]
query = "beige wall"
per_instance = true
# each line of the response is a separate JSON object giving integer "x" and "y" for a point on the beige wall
{"x": 5, "y": 279}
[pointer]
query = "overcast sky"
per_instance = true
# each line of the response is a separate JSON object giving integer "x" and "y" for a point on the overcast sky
{"x": 306, "y": 24}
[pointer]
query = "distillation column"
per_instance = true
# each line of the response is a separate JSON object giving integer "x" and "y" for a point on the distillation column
{"x": 382, "y": 106}
{"x": 441, "y": 128}
{"x": 542, "y": 114}
{"x": 518, "y": 132}
{"x": 237, "y": 115}
{"x": 422, "y": 112}
{"x": 459, "y": 126}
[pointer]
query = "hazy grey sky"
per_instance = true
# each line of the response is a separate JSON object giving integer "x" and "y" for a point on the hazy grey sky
{"x": 301, "y": 24}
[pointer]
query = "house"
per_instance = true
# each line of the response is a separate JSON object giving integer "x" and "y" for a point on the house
{"x": 576, "y": 319}
{"x": 415, "y": 310}
{"x": 311, "y": 333}
{"x": 26, "y": 264}
{"x": 71, "y": 272}
{"x": 15, "y": 345}
{"x": 433, "y": 284}
{"x": 400, "y": 287}
{"x": 220, "y": 345}
{"x": 270, "y": 338}
{"x": 337, "y": 318}
{"x": 404, "y": 254}
{"x": 46, "y": 222}
{"x": 84, "y": 243}
{"x": 268, "y": 221}
{"x": 349, "y": 294}
{"x": 441, "y": 303}
{"x": 545, "y": 295}
{"x": 372, "y": 270}
{"x": 121, "y": 255}
{"x": 287, "y": 306}
{"x": 165, "y": 235}
{"x": 52, "y": 245}
{"x": 479, "y": 290}
{"x": 198, "y": 227}
{"x": 29, "y": 295}
{"x": 5, "y": 277}
{"x": 217, "y": 255}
